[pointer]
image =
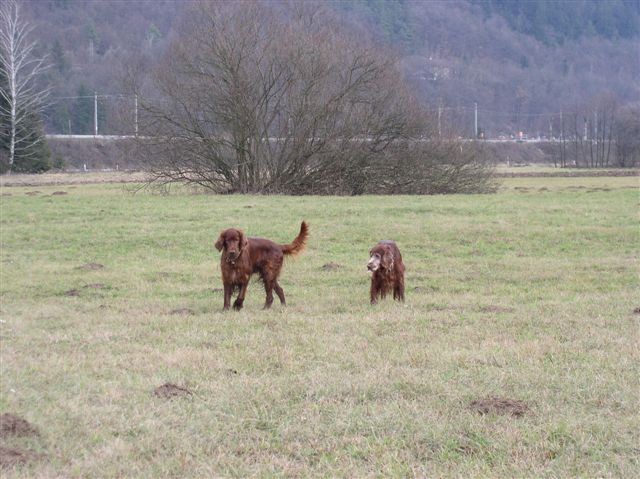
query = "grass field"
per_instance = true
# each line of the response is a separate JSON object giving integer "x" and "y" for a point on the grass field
{"x": 526, "y": 295}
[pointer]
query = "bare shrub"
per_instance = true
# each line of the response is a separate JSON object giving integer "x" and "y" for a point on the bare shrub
{"x": 273, "y": 99}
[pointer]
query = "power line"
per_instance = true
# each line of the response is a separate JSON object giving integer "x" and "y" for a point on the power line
{"x": 442, "y": 109}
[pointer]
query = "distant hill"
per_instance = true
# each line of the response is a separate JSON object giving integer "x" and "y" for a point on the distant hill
{"x": 558, "y": 21}
{"x": 520, "y": 61}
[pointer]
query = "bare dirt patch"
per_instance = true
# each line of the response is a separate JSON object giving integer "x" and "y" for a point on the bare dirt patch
{"x": 32, "y": 193}
{"x": 91, "y": 266}
{"x": 501, "y": 406}
{"x": 573, "y": 173}
{"x": 59, "y": 193}
{"x": 169, "y": 391}
{"x": 72, "y": 292}
{"x": 10, "y": 457}
{"x": 182, "y": 311}
{"x": 636, "y": 310}
{"x": 331, "y": 267}
{"x": 70, "y": 178}
{"x": 12, "y": 425}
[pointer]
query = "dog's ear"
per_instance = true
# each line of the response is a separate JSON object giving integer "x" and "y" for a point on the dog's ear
{"x": 220, "y": 243}
{"x": 387, "y": 259}
{"x": 243, "y": 240}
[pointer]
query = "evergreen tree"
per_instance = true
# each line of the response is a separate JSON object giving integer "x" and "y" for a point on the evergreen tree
{"x": 60, "y": 63}
{"x": 37, "y": 159}
{"x": 82, "y": 112}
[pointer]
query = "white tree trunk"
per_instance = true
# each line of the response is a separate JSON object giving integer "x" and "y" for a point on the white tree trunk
{"x": 21, "y": 96}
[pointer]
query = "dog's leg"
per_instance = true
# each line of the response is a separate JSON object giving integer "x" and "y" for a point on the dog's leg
{"x": 374, "y": 292}
{"x": 237, "y": 304}
{"x": 280, "y": 293}
{"x": 228, "y": 289}
{"x": 398, "y": 292}
{"x": 268, "y": 287}
{"x": 400, "y": 288}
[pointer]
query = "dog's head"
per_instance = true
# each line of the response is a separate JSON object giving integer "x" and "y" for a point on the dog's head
{"x": 380, "y": 257}
{"x": 233, "y": 242}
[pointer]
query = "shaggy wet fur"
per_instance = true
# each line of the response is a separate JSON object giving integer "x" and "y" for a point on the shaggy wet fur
{"x": 385, "y": 262}
{"x": 243, "y": 256}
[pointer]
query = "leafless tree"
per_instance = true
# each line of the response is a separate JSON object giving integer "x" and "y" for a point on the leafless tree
{"x": 258, "y": 97}
{"x": 22, "y": 97}
{"x": 627, "y": 136}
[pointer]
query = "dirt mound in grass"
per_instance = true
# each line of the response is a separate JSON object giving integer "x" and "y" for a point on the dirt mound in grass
{"x": 502, "y": 406}
{"x": 182, "y": 311}
{"x": 12, "y": 425}
{"x": 331, "y": 266}
{"x": 72, "y": 292}
{"x": 10, "y": 457}
{"x": 169, "y": 391}
{"x": 91, "y": 266}
{"x": 636, "y": 311}
{"x": 59, "y": 193}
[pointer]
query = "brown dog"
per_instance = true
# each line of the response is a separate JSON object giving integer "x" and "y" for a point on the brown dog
{"x": 242, "y": 256}
{"x": 388, "y": 271}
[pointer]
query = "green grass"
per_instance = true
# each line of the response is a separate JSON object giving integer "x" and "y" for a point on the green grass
{"x": 525, "y": 294}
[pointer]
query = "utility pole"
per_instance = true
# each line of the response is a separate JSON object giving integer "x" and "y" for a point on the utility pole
{"x": 135, "y": 119}
{"x": 476, "y": 121}
{"x": 562, "y": 151}
{"x": 550, "y": 130}
{"x": 595, "y": 129}
{"x": 439, "y": 121}
{"x": 95, "y": 113}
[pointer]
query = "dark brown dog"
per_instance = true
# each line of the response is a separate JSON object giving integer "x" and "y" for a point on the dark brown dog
{"x": 388, "y": 271}
{"x": 242, "y": 256}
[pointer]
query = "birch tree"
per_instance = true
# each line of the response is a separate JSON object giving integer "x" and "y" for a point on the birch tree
{"x": 22, "y": 97}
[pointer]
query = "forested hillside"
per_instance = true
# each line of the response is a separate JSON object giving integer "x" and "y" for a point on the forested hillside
{"x": 522, "y": 62}
{"x": 556, "y": 21}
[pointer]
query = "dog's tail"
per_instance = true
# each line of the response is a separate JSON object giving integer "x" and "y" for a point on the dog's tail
{"x": 298, "y": 244}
